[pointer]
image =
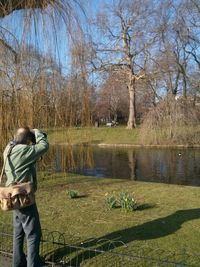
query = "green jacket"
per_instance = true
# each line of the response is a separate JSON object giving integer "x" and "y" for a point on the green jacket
{"x": 20, "y": 164}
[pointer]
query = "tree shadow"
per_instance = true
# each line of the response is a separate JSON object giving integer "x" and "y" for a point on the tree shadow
{"x": 157, "y": 228}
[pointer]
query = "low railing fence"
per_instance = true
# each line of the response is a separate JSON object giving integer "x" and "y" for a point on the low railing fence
{"x": 58, "y": 251}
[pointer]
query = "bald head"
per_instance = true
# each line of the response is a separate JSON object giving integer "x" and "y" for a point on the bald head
{"x": 24, "y": 136}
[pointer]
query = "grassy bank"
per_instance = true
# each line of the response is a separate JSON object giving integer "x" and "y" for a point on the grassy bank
{"x": 168, "y": 217}
{"x": 121, "y": 136}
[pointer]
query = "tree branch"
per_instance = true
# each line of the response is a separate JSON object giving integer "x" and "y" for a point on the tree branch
{"x": 10, "y": 49}
{"x": 7, "y": 7}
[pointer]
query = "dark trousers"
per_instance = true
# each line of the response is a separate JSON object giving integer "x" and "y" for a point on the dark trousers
{"x": 26, "y": 224}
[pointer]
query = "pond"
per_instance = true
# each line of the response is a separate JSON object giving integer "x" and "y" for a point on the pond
{"x": 172, "y": 166}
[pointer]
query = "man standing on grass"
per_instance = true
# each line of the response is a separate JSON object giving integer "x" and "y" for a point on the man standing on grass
{"x": 27, "y": 147}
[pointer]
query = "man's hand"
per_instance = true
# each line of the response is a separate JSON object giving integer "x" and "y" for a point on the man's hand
{"x": 35, "y": 130}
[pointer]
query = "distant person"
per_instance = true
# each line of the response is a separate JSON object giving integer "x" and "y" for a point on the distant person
{"x": 27, "y": 147}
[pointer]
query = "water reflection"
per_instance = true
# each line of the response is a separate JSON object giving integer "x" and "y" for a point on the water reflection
{"x": 172, "y": 166}
{"x": 67, "y": 158}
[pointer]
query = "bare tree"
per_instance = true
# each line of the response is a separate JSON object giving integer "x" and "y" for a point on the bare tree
{"x": 124, "y": 44}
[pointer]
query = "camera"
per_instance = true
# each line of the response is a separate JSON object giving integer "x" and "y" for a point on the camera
{"x": 32, "y": 138}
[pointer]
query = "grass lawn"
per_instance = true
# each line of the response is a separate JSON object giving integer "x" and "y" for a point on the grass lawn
{"x": 168, "y": 217}
{"x": 106, "y": 135}
{"x": 120, "y": 135}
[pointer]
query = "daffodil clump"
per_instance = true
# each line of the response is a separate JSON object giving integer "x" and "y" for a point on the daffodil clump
{"x": 125, "y": 201}
{"x": 111, "y": 202}
{"x": 72, "y": 194}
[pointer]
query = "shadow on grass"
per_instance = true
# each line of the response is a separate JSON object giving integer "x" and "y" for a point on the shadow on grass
{"x": 80, "y": 196}
{"x": 145, "y": 206}
{"x": 140, "y": 207}
{"x": 157, "y": 228}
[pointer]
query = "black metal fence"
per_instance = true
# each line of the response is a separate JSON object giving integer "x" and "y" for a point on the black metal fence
{"x": 58, "y": 251}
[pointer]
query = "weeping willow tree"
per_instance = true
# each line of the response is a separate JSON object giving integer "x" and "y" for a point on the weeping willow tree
{"x": 34, "y": 44}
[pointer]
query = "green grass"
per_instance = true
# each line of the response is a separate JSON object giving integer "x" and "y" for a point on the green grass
{"x": 168, "y": 217}
{"x": 173, "y": 212}
{"x": 122, "y": 136}
{"x": 118, "y": 135}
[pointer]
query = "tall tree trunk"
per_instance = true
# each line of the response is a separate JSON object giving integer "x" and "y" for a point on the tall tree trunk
{"x": 184, "y": 86}
{"x": 132, "y": 105}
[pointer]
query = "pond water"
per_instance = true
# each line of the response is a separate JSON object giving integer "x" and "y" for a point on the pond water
{"x": 173, "y": 166}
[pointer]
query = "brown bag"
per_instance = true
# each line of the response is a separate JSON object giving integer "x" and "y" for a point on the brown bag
{"x": 17, "y": 196}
